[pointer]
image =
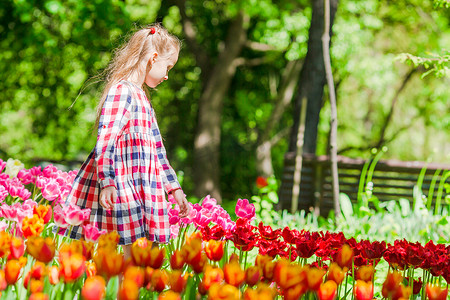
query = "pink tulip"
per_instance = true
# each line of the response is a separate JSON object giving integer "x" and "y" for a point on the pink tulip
{"x": 189, "y": 219}
{"x": 59, "y": 217}
{"x": 25, "y": 176}
{"x": 41, "y": 182}
{"x": 31, "y": 203}
{"x": 174, "y": 230}
{"x": 3, "y": 193}
{"x": 209, "y": 203}
{"x": 8, "y": 212}
{"x": 244, "y": 209}
{"x": 50, "y": 171}
{"x": 201, "y": 220}
{"x": 75, "y": 215}
{"x": 91, "y": 233}
{"x": 35, "y": 173}
{"x": 51, "y": 191}
{"x": 2, "y": 165}
{"x": 173, "y": 216}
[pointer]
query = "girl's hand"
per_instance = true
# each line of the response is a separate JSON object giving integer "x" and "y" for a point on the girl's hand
{"x": 108, "y": 196}
{"x": 179, "y": 196}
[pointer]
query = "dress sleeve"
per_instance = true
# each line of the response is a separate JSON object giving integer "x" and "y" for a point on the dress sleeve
{"x": 169, "y": 177}
{"x": 114, "y": 117}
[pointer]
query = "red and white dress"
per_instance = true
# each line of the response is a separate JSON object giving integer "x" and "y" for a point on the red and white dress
{"x": 129, "y": 155}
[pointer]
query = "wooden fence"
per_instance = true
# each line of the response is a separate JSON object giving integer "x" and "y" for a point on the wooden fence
{"x": 391, "y": 180}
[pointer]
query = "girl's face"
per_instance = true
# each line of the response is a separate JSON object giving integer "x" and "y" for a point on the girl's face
{"x": 159, "y": 69}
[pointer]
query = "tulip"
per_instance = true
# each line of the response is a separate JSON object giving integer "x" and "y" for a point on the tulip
{"x": 12, "y": 271}
{"x": 17, "y": 248}
{"x": 42, "y": 249}
{"x": 38, "y": 296}
{"x": 94, "y": 288}
{"x": 156, "y": 258}
{"x": 234, "y": 274}
{"x": 5, "y": 244}
{"x": 140, "y": 252}
{"x": 261, "y": 182}
{"x": 214, "y": 250}
{"x": 336, "y": 273}
{"x": 32, "y": 226}
{"x": 3, "y": 283}
{"x": 212, "y": 275}
{"x": 109, "y": 262}
{"x": 344, "y": 257}
{"x": 393, "y": 280}
{"x": 252, "y": 275}
{"x": 169, "y": 295}
{"x": 177, "y": 260}
{"x": 295, "y": 292}
{"x": 435, "y": 292}
{"x": 53, "y": 275}
{"x": 268, "y": 270}
{"x": 72, "y": 266}
{"x": 129, "y": 290}
{"x": 38, "y": 270}
{"x": 159, "y": 280}
{"x": 44, "y": 212}
{"x": 363, "y": 290}
{"x": 402, "y": 292}
{"x": 177, "y": 281}
{"x": 327, "y": 290}
{"x": 365, "y": 273}
{"x": 51, "y": 190}
{"x": 314, "y": 278}
{"x": 136, "y": 274}
{"x": 59, "y": 217}
{"x": 244, "y": 209}
{"x": 91, "y": 233}
{"x": 227, "y": 291}
{"x": 109, "y": 240}
{"x": 36, "y": 285}
{"x": 287, "y": 275}
{"x": 91, "y": 269}
{"x": 262, "y": 292}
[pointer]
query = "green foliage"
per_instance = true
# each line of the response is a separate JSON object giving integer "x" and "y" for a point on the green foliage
{"x": 265, "y": 200}
{"x": 435, "y": 64}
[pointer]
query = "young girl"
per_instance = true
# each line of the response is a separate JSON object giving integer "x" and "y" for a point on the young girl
{"x": 124, "y": 178}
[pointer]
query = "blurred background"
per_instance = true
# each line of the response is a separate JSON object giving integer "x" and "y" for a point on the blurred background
{"x": 242, "y": 71}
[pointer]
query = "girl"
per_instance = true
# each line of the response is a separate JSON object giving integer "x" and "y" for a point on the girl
{"x": 124, "y": 178}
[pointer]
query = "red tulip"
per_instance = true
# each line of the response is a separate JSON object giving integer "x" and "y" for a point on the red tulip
{"x": 177, "y": 260}
{"x": 159, "y": 280}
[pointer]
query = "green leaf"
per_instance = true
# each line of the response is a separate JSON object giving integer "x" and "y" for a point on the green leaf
{"x": 404, "y": 207}
{"x": 346, "y": 205}
{"x": 112, "y": 288}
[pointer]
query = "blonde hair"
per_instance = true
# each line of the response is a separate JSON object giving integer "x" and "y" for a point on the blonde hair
{"x": 127, "y": 58}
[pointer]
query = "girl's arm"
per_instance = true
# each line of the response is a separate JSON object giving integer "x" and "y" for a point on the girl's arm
{"x": 169, "y": 177}
{"x": 114, "y": 117}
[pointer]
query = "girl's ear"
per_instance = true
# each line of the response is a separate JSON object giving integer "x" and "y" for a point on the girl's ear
{"x": 152, "y": 59}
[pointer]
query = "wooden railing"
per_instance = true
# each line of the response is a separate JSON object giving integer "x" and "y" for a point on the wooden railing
{"x": 391, "y": 180}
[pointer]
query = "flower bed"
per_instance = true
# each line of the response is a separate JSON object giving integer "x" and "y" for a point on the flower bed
{"x": 209, "y": 254}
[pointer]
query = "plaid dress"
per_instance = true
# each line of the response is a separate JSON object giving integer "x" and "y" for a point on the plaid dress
{"x": 129, "y": 155}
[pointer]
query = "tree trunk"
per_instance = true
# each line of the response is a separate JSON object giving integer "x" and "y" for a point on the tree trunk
{"x": 207, "y": 139}
{"x": 311, "y": 84}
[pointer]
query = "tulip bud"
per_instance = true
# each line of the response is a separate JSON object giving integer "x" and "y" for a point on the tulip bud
{"x": 363, "y": 290}
{"x": 234, "y": 274}
{"x": 159, "y": 280}
{"x": 212, "y": 275}
{"x": 327, "y": 290}
{"x": 214, "y": 250}
{"x": 177, "y": 260}
{"x": 344, "y": 257}
{"x": 12, "y": 271}
{"x": 129, "y": 290}
{"x": 435, "y": 292}
{"x": 252, "y": 275}
{"x": 314, "y": 278}
{"x": 94, "y": 288}
{"x": 365, "y": 273}
{"x": 177, "y": 281}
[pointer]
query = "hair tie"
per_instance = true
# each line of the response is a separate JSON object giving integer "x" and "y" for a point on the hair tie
{"x": 152, "y": 30}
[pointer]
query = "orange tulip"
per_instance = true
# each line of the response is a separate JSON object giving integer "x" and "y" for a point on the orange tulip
{"x": 212, "y": 275}
{"x": 159, "y": 280}
{"x": 129, "y": 290}
{"x": 84, "y": 248}
{"x": 38, "y": 296}
{"x": 139, "y": 252}
{"x": 336, "y": 273}
{"x": 214, "y": 250}
{"x": 295, "y": 292}
{"x": 234, "y": 274}
{"x": 42, "y": 249}
{"x": 363, "y": 290}
{"x": 314, "y": 278}
{"x": 38, "y": 270}
{"x": 44, "y": 212}
{"x": 193, "y": 251}
{"x": 177, "y": 260}
{"x": 36, "y": 285}
{"x": 402, "y": 292}
{"x": 327, "y": 290}
{"x": 32, "y": 226}
{"x": 227, "y": 291}
{"x": 262, "y": 292}
{"x": 169, "y": 295}
{"x": 268, "y": 270}
{"x": 94, "y": 288}
{"x": 72, "y": 267}
{"x": 435, "y": 292}
{"x": 3, "y": 283}
{"x": 252, "y": 275}
{"x": 365, "y": 273}
{"x": 287, "y": 275}
{"x": 109, "y": 240}
{"x": 156, "y": 257}
{"x": 261, "y": 260}
{"x": 53, "y": 275}
{"x": 136, "y": 274}
{"x": 5, "y": 244}
{"x": 199, "y": 266}
{"x": 393, "y": 280}
{"x": 91, "y": 269}
{"x": 177, "y": 281}
{"x": 12, "y": 271}
{"x": 344, "y": 257}
{"x": 109, "y": 262}
{"x": 17, "y": 248}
